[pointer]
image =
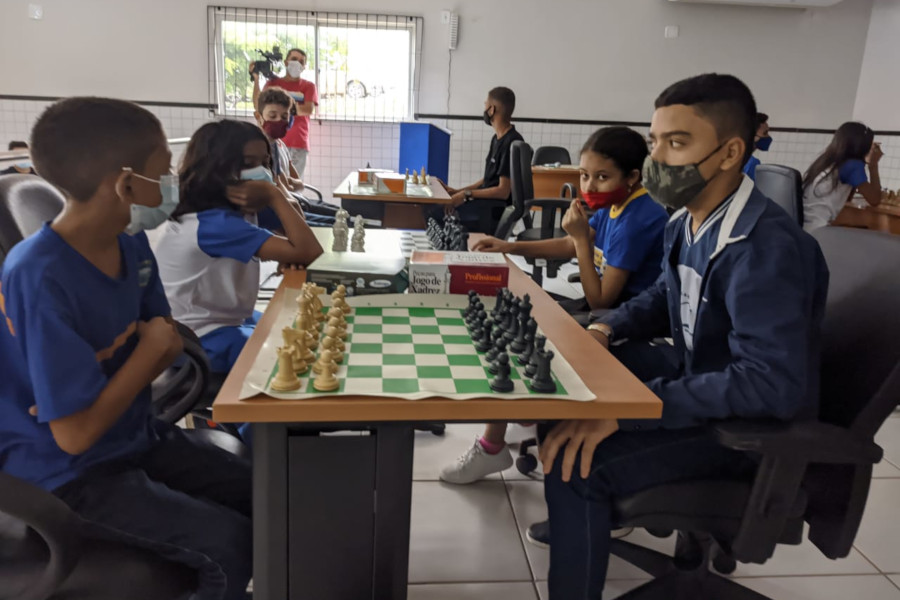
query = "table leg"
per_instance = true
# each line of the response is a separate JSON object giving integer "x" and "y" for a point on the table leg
{"x": 404, "y": 216}
{"x": 331, "y": 512}
{"x": 393, "y": 485}
{"x": 270, "y": 512}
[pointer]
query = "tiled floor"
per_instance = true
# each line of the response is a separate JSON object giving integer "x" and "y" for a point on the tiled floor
{"x": 469, "y": 542}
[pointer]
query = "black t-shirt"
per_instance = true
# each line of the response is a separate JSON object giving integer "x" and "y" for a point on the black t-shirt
{"x": 496, "y": 165}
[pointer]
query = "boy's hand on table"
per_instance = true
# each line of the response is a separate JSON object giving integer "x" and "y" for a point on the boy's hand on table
{"x": 577, "y": 436}
{"x": 600, "y": 337}
{"x": 575, "y": 221}
{"x": 491, "y": 244}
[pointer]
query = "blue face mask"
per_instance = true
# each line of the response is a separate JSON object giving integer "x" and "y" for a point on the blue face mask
{"x": 763, "y": 143}
{"x": 144, "y": 218}
{"x": 25, "y": 165}
{"x": 259, "y": 173}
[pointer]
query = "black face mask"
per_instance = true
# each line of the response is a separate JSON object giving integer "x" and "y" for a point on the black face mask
{"x": 488, "y": 118}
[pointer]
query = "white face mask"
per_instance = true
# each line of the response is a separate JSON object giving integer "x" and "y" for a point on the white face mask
{"x": 144, "y": 218}
{"x": 295, "y": 68}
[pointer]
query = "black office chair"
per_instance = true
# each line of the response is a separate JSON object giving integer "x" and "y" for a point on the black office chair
{"x": 549, "y": 155}
{"x": 814, "y": 472}
{"x": 45, "y": 555}
{"x": 784, "y": 186}
{"x": 523, "y": 200}
{"x": 26, "y": 203}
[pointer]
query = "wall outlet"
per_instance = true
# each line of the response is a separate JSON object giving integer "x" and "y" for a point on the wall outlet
{"x": 445, "y": 17}
{"x": 671, "y": 32}
{"x": 35, "y": 11}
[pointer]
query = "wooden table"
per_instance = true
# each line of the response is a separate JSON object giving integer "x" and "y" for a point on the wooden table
{"x": 318, "y": 530}
{"x": 883, "y": 217}
{"x": 397, "y": 211}
{"x": 548, "y": 181}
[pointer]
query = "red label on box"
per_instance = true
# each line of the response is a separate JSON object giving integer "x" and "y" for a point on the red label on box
{"x": 484, "y": 280}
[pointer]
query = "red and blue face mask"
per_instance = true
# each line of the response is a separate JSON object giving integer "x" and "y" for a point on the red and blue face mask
{"x": 598, "y": 200}
{"x": 277, "y": 129}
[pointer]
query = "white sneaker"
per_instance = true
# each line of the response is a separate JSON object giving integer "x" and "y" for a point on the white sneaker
{"x": 476, "y": 464}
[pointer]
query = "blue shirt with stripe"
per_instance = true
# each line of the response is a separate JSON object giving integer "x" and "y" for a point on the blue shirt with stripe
{"x": 631, "y": 238}
{"x": 67, "y": 328}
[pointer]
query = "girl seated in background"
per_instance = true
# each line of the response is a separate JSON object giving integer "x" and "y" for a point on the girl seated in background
{"x": 210, "y": 249}
{"x": 838, "y": 171}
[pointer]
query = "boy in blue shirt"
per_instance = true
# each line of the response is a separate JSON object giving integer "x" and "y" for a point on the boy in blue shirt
{"x": 761, "y": 141}
{"x": 742, "y": 294}
{"x": 85, "y": 329}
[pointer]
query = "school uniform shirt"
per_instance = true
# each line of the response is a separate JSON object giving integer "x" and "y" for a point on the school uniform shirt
{"x": 281, "y": 159}
{"x": 209, "y": 268}
{"x": 822, "y": 202}
{"x": 497, "y": 163}
{"x": 630, "y": 237}
{"x": 743, "y": 299}
{"x": 303, "y": 92}
{"x": 750, "y": 167}
{"x": 65, "y": 329}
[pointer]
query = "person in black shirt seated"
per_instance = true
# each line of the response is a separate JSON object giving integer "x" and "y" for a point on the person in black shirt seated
{"x": 481, "y": 204}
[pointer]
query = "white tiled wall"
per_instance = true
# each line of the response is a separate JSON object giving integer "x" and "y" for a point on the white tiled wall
{"x": 340, "y": 147}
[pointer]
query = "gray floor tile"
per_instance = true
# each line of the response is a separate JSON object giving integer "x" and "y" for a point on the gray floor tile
{"x": 885, "y": 470}
{"x": 473, "y": 591}
{"x": 888, "y": 437}
{"x": 864, "y": 587}
{"x": 464, "y": 534}
{"x": 613, "y": 589}
{"x": 879, "y": 534}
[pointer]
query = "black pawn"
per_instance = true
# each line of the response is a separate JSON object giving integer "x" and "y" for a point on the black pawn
{"x": 525, "y": 307}
{"x": 543, "y": 380}
{"x": 498, "y": 349}
{"x": 502, "y": 383}
{"x": 484, "y": 344}
{"x": 539, "y": 342}
{"x": 525, "y": 357}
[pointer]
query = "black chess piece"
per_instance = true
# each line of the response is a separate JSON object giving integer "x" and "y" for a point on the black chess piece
{"x": 477, "y": 332}
{"x": 511, "y": 325}
{"x": 525, "y": 357}
{"x": 498, "y": 349}
{"x": 539, "y": 342}
{"x": 485, "y": 343}
{"x": 502, "y": 383}
{"x": 526, "y": 306}
{"x": 543, "y": 380}
{"x": 518, "y": 344}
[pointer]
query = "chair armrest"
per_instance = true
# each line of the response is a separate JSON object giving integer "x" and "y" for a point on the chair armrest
{"x": 185, "y": 388}
{"x": 810, "y": 441}
{"x": 53, "y": 521}
{"x": 313, "y": 189}
{"x": 544, "y": 203}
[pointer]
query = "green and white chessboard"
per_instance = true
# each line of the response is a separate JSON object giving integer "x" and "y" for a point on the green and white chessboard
{"x": 409, "y": 346}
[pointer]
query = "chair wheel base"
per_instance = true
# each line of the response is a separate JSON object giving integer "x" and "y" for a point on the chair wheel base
{"x": 526, "y": 464}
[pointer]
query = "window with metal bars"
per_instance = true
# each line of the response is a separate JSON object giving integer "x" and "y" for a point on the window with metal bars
{"x": 365, "y": 66}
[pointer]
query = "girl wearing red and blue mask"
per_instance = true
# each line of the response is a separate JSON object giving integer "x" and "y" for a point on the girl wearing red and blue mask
{"x": 619, "y": 250}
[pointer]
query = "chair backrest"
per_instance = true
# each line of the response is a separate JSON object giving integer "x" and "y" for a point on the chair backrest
{"x": 547, "y": 155}
{"x": 860, "y": 382}
{"x": 861, "y": 332}
{"x": 784, "y": 186}
{"x": 26, "y": 203}
{"x": 522, "y": 187}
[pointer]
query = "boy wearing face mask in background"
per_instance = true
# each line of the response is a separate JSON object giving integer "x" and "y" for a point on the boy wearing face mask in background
{"x": 305, "y": 97}
{"x": 742, "y": 294}
{"x": 619, "y": 250}
{"x": 275, "y": 118}
{"x": 762, "y": 140}
{"x": 481, "y": 204}
{"x": 84, "y": 329}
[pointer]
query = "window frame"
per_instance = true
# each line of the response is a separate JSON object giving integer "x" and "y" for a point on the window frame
{"x": 218, "y": 15}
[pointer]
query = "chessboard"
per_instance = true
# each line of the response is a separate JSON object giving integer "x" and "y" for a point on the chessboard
{"x": 413, "y": 346}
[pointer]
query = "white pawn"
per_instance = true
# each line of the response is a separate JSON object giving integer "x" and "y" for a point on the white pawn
{"x": 286, "y": 380}
{"x": 326, "y": 381}
{"x": 338, "y": 301}
{"x": 415, "y": 178}
{"x": 335, "y": 323}
{"x": 335, "y": 335}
